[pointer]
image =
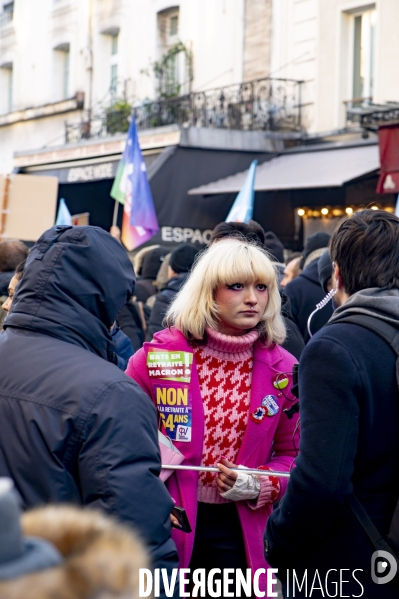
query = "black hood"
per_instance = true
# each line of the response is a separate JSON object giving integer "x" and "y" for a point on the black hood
{"x": 311, "y": 273}
{"x": 76, "y": 279}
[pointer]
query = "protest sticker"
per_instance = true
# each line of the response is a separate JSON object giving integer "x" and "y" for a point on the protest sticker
{"x": 175, "y": 407}
{"x": 170, "y": 365}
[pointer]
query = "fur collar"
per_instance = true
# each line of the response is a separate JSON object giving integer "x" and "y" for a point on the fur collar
{"x": 102, "y": 558}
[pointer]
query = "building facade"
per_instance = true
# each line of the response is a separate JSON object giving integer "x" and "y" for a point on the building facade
{"x": 217, "y": 81}
{"x": 63, "y": 61}
{"x": 345, "y": 51}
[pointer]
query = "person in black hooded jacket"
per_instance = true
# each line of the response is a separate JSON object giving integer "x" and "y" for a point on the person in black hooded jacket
{"x": 305, "y": 290}
{"x": 74, "y": 427}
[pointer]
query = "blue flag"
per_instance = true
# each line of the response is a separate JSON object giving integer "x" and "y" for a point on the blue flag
{"x": 243, "y": 207}
{"x": 132, "y": 189}
{"x": 64, "y": 216}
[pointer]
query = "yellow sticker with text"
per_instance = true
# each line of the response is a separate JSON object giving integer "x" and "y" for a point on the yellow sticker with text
{"x": 175, "y": 407}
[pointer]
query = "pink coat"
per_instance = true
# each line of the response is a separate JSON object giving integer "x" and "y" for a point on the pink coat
{"x": 271, "y": 442}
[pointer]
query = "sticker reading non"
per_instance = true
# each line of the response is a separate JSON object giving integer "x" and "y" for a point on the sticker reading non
{"x": 175, "y": 407}
{"x": 170, "y": 365}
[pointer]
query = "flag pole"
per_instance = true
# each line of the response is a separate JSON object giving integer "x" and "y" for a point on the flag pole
{"x": 115, "y": 217}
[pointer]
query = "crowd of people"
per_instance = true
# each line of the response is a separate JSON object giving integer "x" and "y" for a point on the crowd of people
{"x": 202, "y": 348}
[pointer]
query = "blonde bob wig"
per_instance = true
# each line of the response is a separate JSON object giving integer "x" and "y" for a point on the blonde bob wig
{"x": 226, "y": 262}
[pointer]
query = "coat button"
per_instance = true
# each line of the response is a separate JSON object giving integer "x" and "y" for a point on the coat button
{"x": 266, "y": 546}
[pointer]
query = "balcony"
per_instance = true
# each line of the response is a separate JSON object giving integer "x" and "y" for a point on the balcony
{"x": 261, "y": 105}
{"x": 369, "y": 116}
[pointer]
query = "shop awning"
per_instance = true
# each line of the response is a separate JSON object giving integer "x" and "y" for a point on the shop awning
{"x": 83, "y": 171}
{"x": 303, "y": 170}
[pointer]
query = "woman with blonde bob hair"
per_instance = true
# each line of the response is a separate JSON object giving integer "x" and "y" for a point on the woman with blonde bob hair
{"x": 224, "y": 263}
{"x": 220, "y": 382}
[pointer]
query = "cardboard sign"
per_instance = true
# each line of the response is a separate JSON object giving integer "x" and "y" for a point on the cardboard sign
{"x": 80, "y": 220}
{"x": 29, "y": 202}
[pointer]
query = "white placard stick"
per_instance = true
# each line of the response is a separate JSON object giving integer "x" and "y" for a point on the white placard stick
{"x": 213, "y": 469}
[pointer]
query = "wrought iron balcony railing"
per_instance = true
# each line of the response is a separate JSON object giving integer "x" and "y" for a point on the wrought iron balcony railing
{"x": 262, "y": 105}
{"x": 265, "y": 104}
{"x": 370, "y": 116}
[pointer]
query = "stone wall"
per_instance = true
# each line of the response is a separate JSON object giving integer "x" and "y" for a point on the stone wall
{"x": 257, "y": 39}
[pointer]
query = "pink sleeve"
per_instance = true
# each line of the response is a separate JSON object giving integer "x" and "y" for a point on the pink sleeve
{"x": 285, "y": 447}
{"x": 137, "y": 370}
{"x": 285, "y": 450}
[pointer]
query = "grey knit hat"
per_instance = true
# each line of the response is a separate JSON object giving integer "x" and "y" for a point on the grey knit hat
{"x": 20, "y": 555}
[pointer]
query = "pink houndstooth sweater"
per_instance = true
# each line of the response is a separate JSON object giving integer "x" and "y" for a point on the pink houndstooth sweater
{"x": 224, "y": 367}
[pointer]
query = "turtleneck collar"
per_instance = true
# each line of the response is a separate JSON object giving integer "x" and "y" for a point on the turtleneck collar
{"x": 230, "y": 347}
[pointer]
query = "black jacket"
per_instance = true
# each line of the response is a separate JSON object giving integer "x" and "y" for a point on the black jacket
{"x": 164, "y": 298}
{"x": 148, "y": 271}
{"x": 133, "y": 320}
{"x": 294, "y": 342}
{"x": 144, "y": 289}
{"x": 305, "y": 292}
{"x": 75, "y": 428}
{"x": 349, "y": 440}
